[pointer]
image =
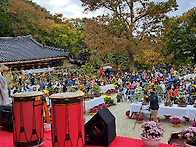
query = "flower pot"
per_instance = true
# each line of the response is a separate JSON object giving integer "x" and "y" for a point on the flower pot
{"x": 168, "y": 104}
{"x": 150, "y": 142}
{"x": 139, "y": 121}
{"x": 128, "y": 117}
{"x": 188, "y": 145}
{"x": 182, "y": 105}
{"x": 108, "y": 94}
{"x": 113, "y": 92}
{"x": 176, "y": 125}
{"x": 93, "y": 113}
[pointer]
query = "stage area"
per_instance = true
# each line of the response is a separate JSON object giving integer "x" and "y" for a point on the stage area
{"x": 7, "y": 141}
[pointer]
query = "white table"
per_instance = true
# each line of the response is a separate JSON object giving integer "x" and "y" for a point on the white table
{"x": 94, "y": 102}
{"x": 106, "y": 88}
{"x": 188, "y": 111}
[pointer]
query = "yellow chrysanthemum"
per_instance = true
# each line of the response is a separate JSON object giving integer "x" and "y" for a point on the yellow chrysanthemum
{"x": 79, "y": 91}
{"x": 46, "y": 91}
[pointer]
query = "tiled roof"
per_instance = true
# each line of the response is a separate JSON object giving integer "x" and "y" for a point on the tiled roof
{"x": 26, "y": 48}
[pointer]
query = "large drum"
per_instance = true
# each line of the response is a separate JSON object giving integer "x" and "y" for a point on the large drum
{"x": 28, "y": 119}
{"x": 67, "y": 119}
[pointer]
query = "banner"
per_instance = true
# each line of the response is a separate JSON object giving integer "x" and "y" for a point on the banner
{"x": 38, "y": 70}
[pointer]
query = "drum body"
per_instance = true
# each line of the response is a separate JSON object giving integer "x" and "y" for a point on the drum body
{"x": 28, "y": 119}
{"x": 67, "y": 120}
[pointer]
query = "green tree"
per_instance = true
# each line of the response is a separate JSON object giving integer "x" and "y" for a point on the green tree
{"x": 131, "y": 21}
{"x": 5, "y": 23}
{"x": 180, "y": 37}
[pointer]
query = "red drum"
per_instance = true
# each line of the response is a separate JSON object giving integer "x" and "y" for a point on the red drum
{"x": 67, "y": 119}
{"x": 28, "y": 119}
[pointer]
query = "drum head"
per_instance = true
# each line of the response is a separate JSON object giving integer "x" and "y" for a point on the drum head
{"x": 27, "y": 94}
{"x": 66, "y": 95}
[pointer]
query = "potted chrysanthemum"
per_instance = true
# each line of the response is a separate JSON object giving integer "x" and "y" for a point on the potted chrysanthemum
{"x": 190, "y": 135}
{"x": 139, "y": 118}
{"x": 99, "y": 108}
{"x": 109, "y": 92}
{"x": 128, "y": 114}
{"x": 151, "y": 133}
{"x": 93, "y": 111}
{"x": 176, "y": 121}
{"x": 106, "y": 105}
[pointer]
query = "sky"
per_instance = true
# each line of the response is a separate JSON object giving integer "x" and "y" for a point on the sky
{"x": 74, "y": 9}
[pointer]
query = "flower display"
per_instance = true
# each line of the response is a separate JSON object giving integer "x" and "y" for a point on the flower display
{"x": 139, "y": 117}
{"x": 151, "y": 130}
{"x": 194, "y": 124}
{"x": 99, "y": 107}
{"x": 175, "y": 120}
{"x": 159, "y": 120}
{"x": 116, "y": 87}
{"x": 109, "y": 91}
{"x": 106, "y": 97}
{"x": 127, "y": 113}
{"x": 106, "y": 105}
{"x": 113, "y": 91}
{"x": 189, "y": 134}
{"x": 93, "y": 110}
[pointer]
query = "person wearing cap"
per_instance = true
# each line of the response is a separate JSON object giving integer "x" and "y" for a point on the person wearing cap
{"x": 4, "y": 97}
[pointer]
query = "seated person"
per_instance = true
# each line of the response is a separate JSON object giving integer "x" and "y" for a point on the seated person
{"x": 119, "y": 96}
{"x": 173, "y": 93}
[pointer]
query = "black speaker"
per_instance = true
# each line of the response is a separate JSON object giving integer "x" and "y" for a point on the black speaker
{"x": 100, "y": 130}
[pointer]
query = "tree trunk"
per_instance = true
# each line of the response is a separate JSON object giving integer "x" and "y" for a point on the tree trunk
{"x": 131, "y": 61}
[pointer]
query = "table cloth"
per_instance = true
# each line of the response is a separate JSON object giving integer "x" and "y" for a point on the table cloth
{"x": 106, "y": 87}
{"x": 189, "y": 111}
{"x": 94, "y": 102}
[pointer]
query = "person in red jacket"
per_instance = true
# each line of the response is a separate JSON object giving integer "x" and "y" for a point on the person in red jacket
{"x": 173, "y": 93}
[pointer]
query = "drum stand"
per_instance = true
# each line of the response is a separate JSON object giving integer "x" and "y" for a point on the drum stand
{"x": 141, "y": 108}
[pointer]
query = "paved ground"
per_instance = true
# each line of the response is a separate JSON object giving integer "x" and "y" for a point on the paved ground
{"x": 124, "y": 126}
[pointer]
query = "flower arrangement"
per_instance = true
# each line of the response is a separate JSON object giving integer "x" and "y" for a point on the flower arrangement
{"x": 139, "y": 117}
{"x": 96, "y": 88}
{"x": 99, "y": 108}
{"x": 106, "y": 105}
{"x": 93, "y": 110}
{"x": 159, "y": 120}
{"x": 127, "y": 113}
{"x": 175, "y": 120}
{"x": 106, "y": 97}
{"x": 113, "y": 91}
{"x": 109, "y": 91}
{"x": 116, "y": 87}
{"x": 189, "y": 134}
{"x": 151, "y": 130}
{"x": 194, "y": 124}
{"x": 109, "y": 101}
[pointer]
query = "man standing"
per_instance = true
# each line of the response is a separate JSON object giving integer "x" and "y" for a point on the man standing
{"x": 154, "y": 106}
{"x": 4, "y": 98}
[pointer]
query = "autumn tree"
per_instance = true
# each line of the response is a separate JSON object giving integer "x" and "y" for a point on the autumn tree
{"x": 28, "y": 20}
{"x": 180, "y": 38}
{"x": 130, "y": 21}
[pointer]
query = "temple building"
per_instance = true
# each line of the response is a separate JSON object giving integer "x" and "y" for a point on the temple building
{"x": 24, "y": 53}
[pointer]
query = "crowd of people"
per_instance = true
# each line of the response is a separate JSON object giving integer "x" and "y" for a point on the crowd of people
{"x": 177, "y": 82}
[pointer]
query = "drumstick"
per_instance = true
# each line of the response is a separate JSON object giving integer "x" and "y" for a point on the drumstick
{"x": 46, "y": 112}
